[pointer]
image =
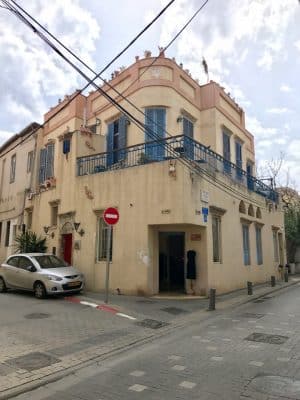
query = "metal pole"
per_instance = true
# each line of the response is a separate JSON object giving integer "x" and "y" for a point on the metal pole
{"x": 107, "y": 262}
{"x": 273, "y": 281}
{"x": 250, "y": 288}
{"x": 286, "y": 276}
{"x": 212, "y": 300}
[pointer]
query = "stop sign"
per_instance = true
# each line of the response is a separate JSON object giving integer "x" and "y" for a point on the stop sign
{"x": 111, "y": 216}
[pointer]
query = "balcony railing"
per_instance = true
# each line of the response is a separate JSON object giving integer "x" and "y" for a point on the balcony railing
{"x": 172, "y": 148}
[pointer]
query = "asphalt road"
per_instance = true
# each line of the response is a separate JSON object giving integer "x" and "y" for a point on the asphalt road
{"x": 249, "y": 352}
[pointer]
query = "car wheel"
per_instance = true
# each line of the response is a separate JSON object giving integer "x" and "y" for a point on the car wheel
{"x": 3, "y": 287}
{"x": 39, "y": 290}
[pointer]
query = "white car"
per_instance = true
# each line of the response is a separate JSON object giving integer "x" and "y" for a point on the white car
{"x": 43, "y": 274}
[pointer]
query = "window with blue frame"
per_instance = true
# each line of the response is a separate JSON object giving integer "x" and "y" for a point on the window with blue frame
{"x": 250, "y": 179}
{"x": 155, "y": 126}
{"x": 116, "y": 140}
{"x": 226, "y": 152}
{"x": 246, "y": 244}
{"x": 259, "y": 253}
{"x": 46, "y": 168}
{"x": 238, "y": 159}
{"x": 188, "y": 132}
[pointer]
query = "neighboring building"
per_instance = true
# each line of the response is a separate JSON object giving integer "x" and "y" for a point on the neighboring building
{"x": 192, "y": 190}
{"x": 17, "y": 157}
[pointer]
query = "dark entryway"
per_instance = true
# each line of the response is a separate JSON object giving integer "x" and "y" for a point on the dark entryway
{"x": 67, "y": 247}
{"x": 171, "y": 261}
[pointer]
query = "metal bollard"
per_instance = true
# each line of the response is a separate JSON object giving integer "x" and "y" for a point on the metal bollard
{"x": 273, "y": 281}
{"x": 212, "y": 300}
{"x": 286, "y": 277}
{"x": 250, "y": 288}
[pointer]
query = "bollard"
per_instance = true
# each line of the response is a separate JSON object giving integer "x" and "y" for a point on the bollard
{"x": 273, "y": 281}
{"x": 250, "y": 288}
{"x": 212, "y": 300}
{"x": 286, "y": 277}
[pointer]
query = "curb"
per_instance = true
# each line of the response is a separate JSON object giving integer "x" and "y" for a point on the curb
{"x": 180, "y": 323}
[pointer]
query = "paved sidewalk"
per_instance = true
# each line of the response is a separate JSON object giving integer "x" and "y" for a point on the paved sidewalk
{"x": 97, "y": 334}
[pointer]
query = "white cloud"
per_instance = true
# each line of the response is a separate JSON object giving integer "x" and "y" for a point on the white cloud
{"x": 31, "y": 71}
{"x": 258, "y": 130}
{"x": 4, "y": 135}
{"x": 278, "y": 110}
{"x": 285, "y": 88}
{"x": 297, "y": 44}
{"x": 265, "y": 61}
{"x": 293, "y": 150}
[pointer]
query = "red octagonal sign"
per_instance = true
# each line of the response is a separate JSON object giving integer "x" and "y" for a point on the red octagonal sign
{"x": 111, "y": 216}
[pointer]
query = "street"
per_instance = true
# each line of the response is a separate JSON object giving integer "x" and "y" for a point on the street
{"x": 246, "y": 352}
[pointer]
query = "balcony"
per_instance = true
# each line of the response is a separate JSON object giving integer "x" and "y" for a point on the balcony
{"x": 194, "y": 153}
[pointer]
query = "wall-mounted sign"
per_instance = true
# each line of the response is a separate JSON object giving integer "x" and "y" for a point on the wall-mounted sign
{"x": 204, "y": 196}
{"x": 195, "y": 237}
{"x": 205, "y": 213}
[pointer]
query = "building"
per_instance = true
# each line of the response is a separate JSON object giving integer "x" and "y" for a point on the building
{"x": 17, "y": 158}
{"x": 183, "y": 182}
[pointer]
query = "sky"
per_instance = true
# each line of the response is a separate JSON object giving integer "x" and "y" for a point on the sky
{"x": 252, "y": 48}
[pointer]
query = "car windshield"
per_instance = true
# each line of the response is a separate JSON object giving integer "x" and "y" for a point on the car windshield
{"x": 49, "y": 261}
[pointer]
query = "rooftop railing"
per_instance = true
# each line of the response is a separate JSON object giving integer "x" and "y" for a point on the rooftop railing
{"x": 172, "y": 148}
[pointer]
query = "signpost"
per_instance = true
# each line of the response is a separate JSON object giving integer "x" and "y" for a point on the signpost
{"x": 111, "y": 217}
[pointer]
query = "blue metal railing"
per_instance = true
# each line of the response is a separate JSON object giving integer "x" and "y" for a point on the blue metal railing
{"x": 171, "y": 148}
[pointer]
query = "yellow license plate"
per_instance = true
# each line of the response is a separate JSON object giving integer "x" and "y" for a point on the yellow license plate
{"x": 74, "y": 283}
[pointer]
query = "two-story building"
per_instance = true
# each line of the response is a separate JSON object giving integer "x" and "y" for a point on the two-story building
{"x": 182, "y": 179}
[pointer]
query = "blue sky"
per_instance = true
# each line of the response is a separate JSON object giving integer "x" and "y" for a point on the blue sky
{"x": 252, "y": 48}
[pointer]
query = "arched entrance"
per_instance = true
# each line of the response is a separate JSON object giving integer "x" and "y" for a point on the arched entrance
{"x": 67, "y": 242}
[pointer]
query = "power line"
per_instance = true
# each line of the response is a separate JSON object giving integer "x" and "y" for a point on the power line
{"x": 135, "y": 120}
{"x": 9, "y": 7}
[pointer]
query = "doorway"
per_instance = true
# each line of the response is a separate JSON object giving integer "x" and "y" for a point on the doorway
{"x": 171, "y": 261}
{"x": 281, "y": 256}
{"x": 67, "y": 247}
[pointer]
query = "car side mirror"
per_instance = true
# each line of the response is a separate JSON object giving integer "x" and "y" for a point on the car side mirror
{"x": 31, "y": 268}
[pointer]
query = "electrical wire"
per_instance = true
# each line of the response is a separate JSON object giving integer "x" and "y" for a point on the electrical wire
{"x": 9, "y": 7}
{"x": 136, "y": 121}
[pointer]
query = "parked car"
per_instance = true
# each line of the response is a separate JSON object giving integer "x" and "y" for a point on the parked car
{"x": 44, "y": 274}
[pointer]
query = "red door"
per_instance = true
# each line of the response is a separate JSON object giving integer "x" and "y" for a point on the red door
{"x": 67, "y": 247}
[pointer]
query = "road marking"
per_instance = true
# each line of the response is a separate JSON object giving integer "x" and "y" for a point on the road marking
{"x": 137, "y": 373}
{"x": 256, "y": 363}
{"x": 187, "y": 385}
{"x": 125, "y": 316}
{"x": 217, "y": 358}
{"x": 137, "y": 388}
{"x": 87, "y": 303}
{"x": 179, "y": 367}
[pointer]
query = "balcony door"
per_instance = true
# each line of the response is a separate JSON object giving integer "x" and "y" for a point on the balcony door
{"x": 155, "y": 124}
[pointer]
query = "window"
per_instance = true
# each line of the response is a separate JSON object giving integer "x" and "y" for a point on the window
{"x": 155, "y": 123}
{"x": 216, "y": 236}
{"x": 102, "y": 240}
{"x": 29, "y": 161}
{"x": 66, "y": 146}
{"x": 246, "y": 244}
{"x": 238, "y": 158}
{"x": 13, "y": 168}
{"x": 13, "y": 261}
{"x": 188, "y": 131}
{"x": 7, "y": 233}
{"x": 116, "y": 140}
{"x": 54, "y": 214}
{"x": 46, "y": 163}
{"x": 226, "y": 152}
{"x": 24, "y": 263}
{"x": 259, "y": 254}
{"x": 0, "y": 231}
{"x": 275, "y": 245}
{"x": 29, "y": 219}
{"x": 242, "y": 207}
{"x": 14, "y": 232}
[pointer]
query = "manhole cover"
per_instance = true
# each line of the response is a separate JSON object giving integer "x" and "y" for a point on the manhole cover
{"x": 174, "y": 310}
{"x": 266, "y": 338}
{"x": 152, "y": 323}
{"x": 252, "y": 315}
{"x": 37, "y": 316}
{"x": 32, "y": 361}
{"x": 275, "y": 386}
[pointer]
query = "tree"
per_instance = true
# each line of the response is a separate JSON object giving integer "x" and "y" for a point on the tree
{"x": 29, "y": 242}
{"x": 292, "y": 231}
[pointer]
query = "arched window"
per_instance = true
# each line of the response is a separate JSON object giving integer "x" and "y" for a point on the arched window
{"x": 258, "y": 213}
{"x": 251, "y": 210}
{"x": 242, "y": 207}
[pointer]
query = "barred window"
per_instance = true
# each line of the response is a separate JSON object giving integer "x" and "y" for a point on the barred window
{"x": 102, "y": 240}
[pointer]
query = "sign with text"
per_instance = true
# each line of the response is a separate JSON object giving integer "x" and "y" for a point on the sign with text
{"x": 111, "y": 216}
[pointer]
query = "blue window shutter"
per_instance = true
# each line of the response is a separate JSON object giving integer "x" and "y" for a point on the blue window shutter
{"x": 238, "y": 158}
{"x": 110, "y": 144}
{"x": 122, "y": 137}
{"x": 42, "y": 169}
{"x": 226, "y": 153}
{"x": 66, "y": 146}
{"x": 49, "y": 160}
{"x": 160, "y": 133}
{"x": 149, "y": 132}
{"x": 188, "y": 132}
{"x": 155, "y": 124}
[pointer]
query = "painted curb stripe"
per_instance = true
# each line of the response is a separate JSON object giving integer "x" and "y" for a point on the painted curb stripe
{"x": 125, "y": 316}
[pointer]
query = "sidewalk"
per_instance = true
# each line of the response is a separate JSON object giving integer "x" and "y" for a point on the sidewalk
{"x": 151, "y": 318}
